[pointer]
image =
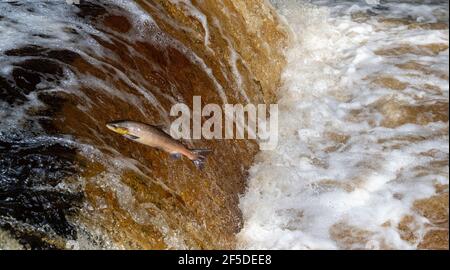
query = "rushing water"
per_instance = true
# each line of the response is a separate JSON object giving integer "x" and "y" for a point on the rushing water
{"x": 363, "y": 156}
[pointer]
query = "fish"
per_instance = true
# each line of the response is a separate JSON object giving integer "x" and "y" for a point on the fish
{"x": 155, "y": 137}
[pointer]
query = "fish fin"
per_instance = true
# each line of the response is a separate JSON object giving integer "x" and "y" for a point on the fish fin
{"x": 175, "y": 156}
{"x": 200, "y": 164}
{"x": 131, "y": 137}
{"x": 201, "y": 154}
{"x": 162, "y": 127}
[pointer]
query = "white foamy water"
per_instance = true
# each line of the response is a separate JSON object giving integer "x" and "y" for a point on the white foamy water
{"x": 360, "y": 139}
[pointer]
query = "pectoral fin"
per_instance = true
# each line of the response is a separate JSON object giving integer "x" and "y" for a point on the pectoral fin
{"x": 175, "y": 156}
{"x": 131, "y": 137}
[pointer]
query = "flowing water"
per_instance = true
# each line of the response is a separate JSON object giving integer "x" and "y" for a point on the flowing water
{"x": 363, "y": 156}
{"x": 362, "y": 160}
{"x": 66, "y": 70}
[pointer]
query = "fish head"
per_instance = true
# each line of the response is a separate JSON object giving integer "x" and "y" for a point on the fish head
{"x": 128, "y": 129}
{"x": 119, "y": 127}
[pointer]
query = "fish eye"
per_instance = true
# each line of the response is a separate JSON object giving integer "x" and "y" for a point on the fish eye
{"x": 114, "y": 125}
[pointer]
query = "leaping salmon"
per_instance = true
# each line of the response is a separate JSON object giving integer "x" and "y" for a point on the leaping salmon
{"x": 154, "y": 137}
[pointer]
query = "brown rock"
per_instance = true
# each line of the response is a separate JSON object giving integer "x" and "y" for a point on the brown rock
{"x": 397, "y": 114}
{"x": 350, "y": 237}
{"x": 164, "y": 204}
{"x": 390, "y": 82}
{"x": 435, "y": 209}
{"x": 408, "y": 229}
{"x": 435, "y": 240}
{"x": 425, "y": 50}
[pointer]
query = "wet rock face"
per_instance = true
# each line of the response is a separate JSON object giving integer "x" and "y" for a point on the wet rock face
{"x": 220, "y": 29}
{"x": 63, "y": 171}
{"x": 29, "y": 193}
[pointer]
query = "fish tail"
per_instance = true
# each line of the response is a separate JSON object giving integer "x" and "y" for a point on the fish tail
{"x": 200, "y": 157}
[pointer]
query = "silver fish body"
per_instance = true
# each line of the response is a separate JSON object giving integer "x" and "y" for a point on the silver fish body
{"x": 154, "y": 137}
